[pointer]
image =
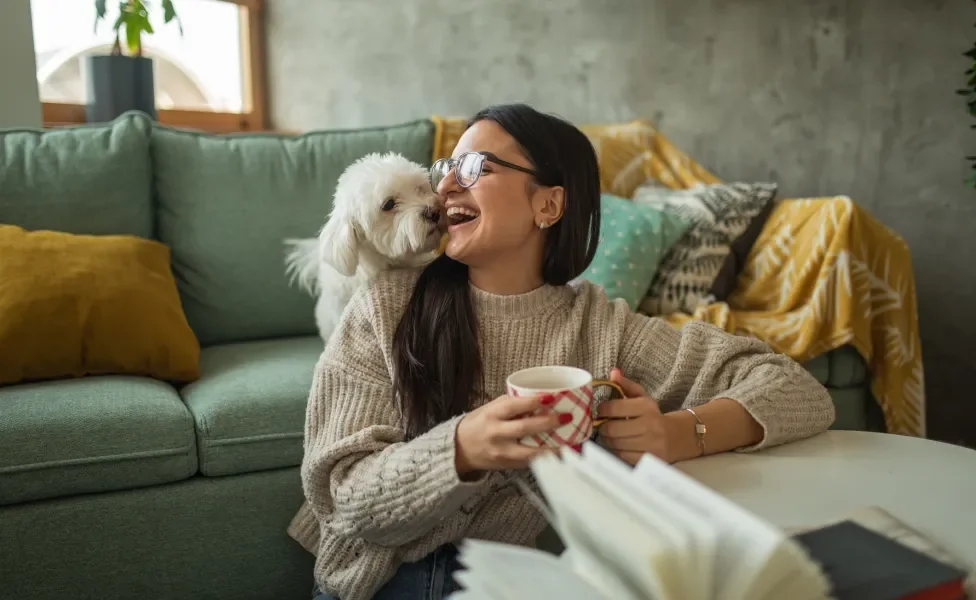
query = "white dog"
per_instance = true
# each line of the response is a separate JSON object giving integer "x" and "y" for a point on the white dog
{"x": 384, "y": 215}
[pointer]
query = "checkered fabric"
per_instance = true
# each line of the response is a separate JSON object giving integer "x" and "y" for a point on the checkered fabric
{"x": 576, "y": 402}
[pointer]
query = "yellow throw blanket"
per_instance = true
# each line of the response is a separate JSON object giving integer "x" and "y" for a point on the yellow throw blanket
{"x": 823, "y": 273}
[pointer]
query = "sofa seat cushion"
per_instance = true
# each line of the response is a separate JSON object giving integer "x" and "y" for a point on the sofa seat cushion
{"x": 92, "y": 434}
{"x": 249, "y": 404}
{"x": 840, "y": 368}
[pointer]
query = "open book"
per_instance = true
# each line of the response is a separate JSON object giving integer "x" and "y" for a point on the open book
{"x": 651, "y": 532}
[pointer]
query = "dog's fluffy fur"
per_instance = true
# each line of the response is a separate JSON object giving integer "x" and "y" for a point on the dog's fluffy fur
{"x": 364, "y": 235}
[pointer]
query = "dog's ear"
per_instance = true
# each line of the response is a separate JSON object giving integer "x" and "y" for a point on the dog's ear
{"x": 339, "y": 245}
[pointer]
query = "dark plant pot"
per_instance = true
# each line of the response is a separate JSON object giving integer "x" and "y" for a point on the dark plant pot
{"x": 117, "y": 84}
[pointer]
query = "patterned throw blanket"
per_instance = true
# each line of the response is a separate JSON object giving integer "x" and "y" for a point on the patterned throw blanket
{"x": 823, "y": 273}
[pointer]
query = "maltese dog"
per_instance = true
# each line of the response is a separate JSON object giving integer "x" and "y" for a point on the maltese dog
{"x": 384, "y": 215}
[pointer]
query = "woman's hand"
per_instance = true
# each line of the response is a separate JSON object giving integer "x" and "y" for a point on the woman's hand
{"x": 637, "y": 426}
{"x": 487, "y": 438}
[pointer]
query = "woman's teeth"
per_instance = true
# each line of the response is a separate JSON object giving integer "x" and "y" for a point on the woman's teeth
{"x": 459, "y": 214}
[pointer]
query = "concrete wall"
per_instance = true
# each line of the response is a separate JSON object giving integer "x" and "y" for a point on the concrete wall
{"x": 19, "y": 106}
{"x": 824, "y": 96}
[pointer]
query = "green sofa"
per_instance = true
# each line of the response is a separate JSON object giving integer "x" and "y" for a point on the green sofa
{"x": 126, "y": 487}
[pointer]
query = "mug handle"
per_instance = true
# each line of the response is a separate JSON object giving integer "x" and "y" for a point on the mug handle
{"x": 606, "y": 382}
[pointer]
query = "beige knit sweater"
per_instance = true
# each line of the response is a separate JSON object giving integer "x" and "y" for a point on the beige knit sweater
{"x": 374, "y": 501}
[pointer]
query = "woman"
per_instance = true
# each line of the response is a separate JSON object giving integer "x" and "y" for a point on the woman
{"x": 409, "y": 432}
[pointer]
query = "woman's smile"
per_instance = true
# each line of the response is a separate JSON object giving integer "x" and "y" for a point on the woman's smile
{"x": 459, "y": 217}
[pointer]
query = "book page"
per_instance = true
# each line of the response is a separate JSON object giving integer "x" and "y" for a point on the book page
{"x": 606, "y": 551}
{"x": 746, "y": 543}
{"x": 697, "y": 539}
{"x": 495, "y": 571}
{"x": 789, "y": 573}
{"x": 668, "y": 532}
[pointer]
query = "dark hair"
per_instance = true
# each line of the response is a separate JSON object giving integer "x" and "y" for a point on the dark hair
{"x": 437, "y": 361}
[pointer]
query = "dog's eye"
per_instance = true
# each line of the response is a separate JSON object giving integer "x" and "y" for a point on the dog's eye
{"x": 389, "y": 204}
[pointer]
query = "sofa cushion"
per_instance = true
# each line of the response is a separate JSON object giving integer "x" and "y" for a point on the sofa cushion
{"x": 249, "y": 404}
{"x": 92, "y": 434}
{"x": 73, "y": 305}
{"x": 856, "y": 409}
{"x": 847, "y": 368}
{"x": 633, "y": 241}
{"x": 86, "y": 179}
{"x": 819, "y": 367}
{"x": 719, "y": 214}
{"x": 228, "y": 202}
{"x": 840, "y": 368}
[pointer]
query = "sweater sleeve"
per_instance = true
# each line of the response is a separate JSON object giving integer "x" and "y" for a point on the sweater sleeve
{"x": 361, "y": 479}
{"x": 700, "y": 362}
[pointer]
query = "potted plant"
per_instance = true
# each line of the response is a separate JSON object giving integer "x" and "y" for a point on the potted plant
{"x": 123, "y": 81}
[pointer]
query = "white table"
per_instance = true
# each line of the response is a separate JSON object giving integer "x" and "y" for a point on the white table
{"x": 929, "y": 485}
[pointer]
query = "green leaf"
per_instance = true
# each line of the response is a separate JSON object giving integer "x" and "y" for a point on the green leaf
{"x": 133, "y": 33}
{"x": 99, "y": 12}
{"x": 144, "y": 23}
{"x": 169, "y": 13}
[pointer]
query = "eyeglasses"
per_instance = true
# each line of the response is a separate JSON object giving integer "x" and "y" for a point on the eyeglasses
{"x": 467, "y": 168}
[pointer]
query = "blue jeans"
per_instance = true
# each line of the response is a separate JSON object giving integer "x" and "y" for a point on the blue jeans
{"x": 430, "y": 578}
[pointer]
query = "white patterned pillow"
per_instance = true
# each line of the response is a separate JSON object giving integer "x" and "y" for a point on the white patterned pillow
{"x": 720, "y": 214}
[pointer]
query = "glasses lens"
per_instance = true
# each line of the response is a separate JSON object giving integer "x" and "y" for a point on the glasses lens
{"x": 469, "y": 168}
{"x": 437, "y": 173}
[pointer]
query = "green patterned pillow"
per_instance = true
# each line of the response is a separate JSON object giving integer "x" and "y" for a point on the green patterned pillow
{"x": 633, "y": 241}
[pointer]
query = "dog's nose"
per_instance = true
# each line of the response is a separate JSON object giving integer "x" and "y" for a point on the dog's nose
{"x": 432, "y": 214}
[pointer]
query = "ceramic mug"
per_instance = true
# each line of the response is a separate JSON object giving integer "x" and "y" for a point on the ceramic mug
{"x": 573, "y": 389}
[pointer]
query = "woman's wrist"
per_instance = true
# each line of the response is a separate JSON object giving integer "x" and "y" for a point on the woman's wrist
{"x": 683, "y": 440}
{"x": 465, "y": 471}
{"x": 729, "y": 425}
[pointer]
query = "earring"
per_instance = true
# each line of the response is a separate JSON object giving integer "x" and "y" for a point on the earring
{"x": 543, "y": 225}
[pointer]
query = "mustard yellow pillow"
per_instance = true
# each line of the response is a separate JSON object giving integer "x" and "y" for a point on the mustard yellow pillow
{"x": 74, "y": 305}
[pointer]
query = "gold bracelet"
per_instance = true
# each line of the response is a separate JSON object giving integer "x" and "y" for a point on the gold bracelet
{"x": 700, "y": 431}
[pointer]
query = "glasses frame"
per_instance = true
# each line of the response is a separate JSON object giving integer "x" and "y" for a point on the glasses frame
{"x": 452, "y": 164}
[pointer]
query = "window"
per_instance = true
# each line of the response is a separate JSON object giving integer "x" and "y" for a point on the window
{"x": 211, "y": 77}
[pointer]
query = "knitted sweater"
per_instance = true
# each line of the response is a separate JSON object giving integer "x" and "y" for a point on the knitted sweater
{"x": 375, "y": 501}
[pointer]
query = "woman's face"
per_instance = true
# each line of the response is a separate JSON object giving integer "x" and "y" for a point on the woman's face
{"x": 506, "y": 203}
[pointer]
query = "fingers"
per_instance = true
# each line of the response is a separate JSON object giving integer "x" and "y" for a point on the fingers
{"x": 627, "y": 444}
{"x": 532, "y": 425}
{"x": 623, "y": 408}
{"x": 521, "y": 455}
{"x": 631, "y": 388}
{"x": 511, "y": 407}
{"x": 623, "y": 428}
{"x": 513, "y": 455}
